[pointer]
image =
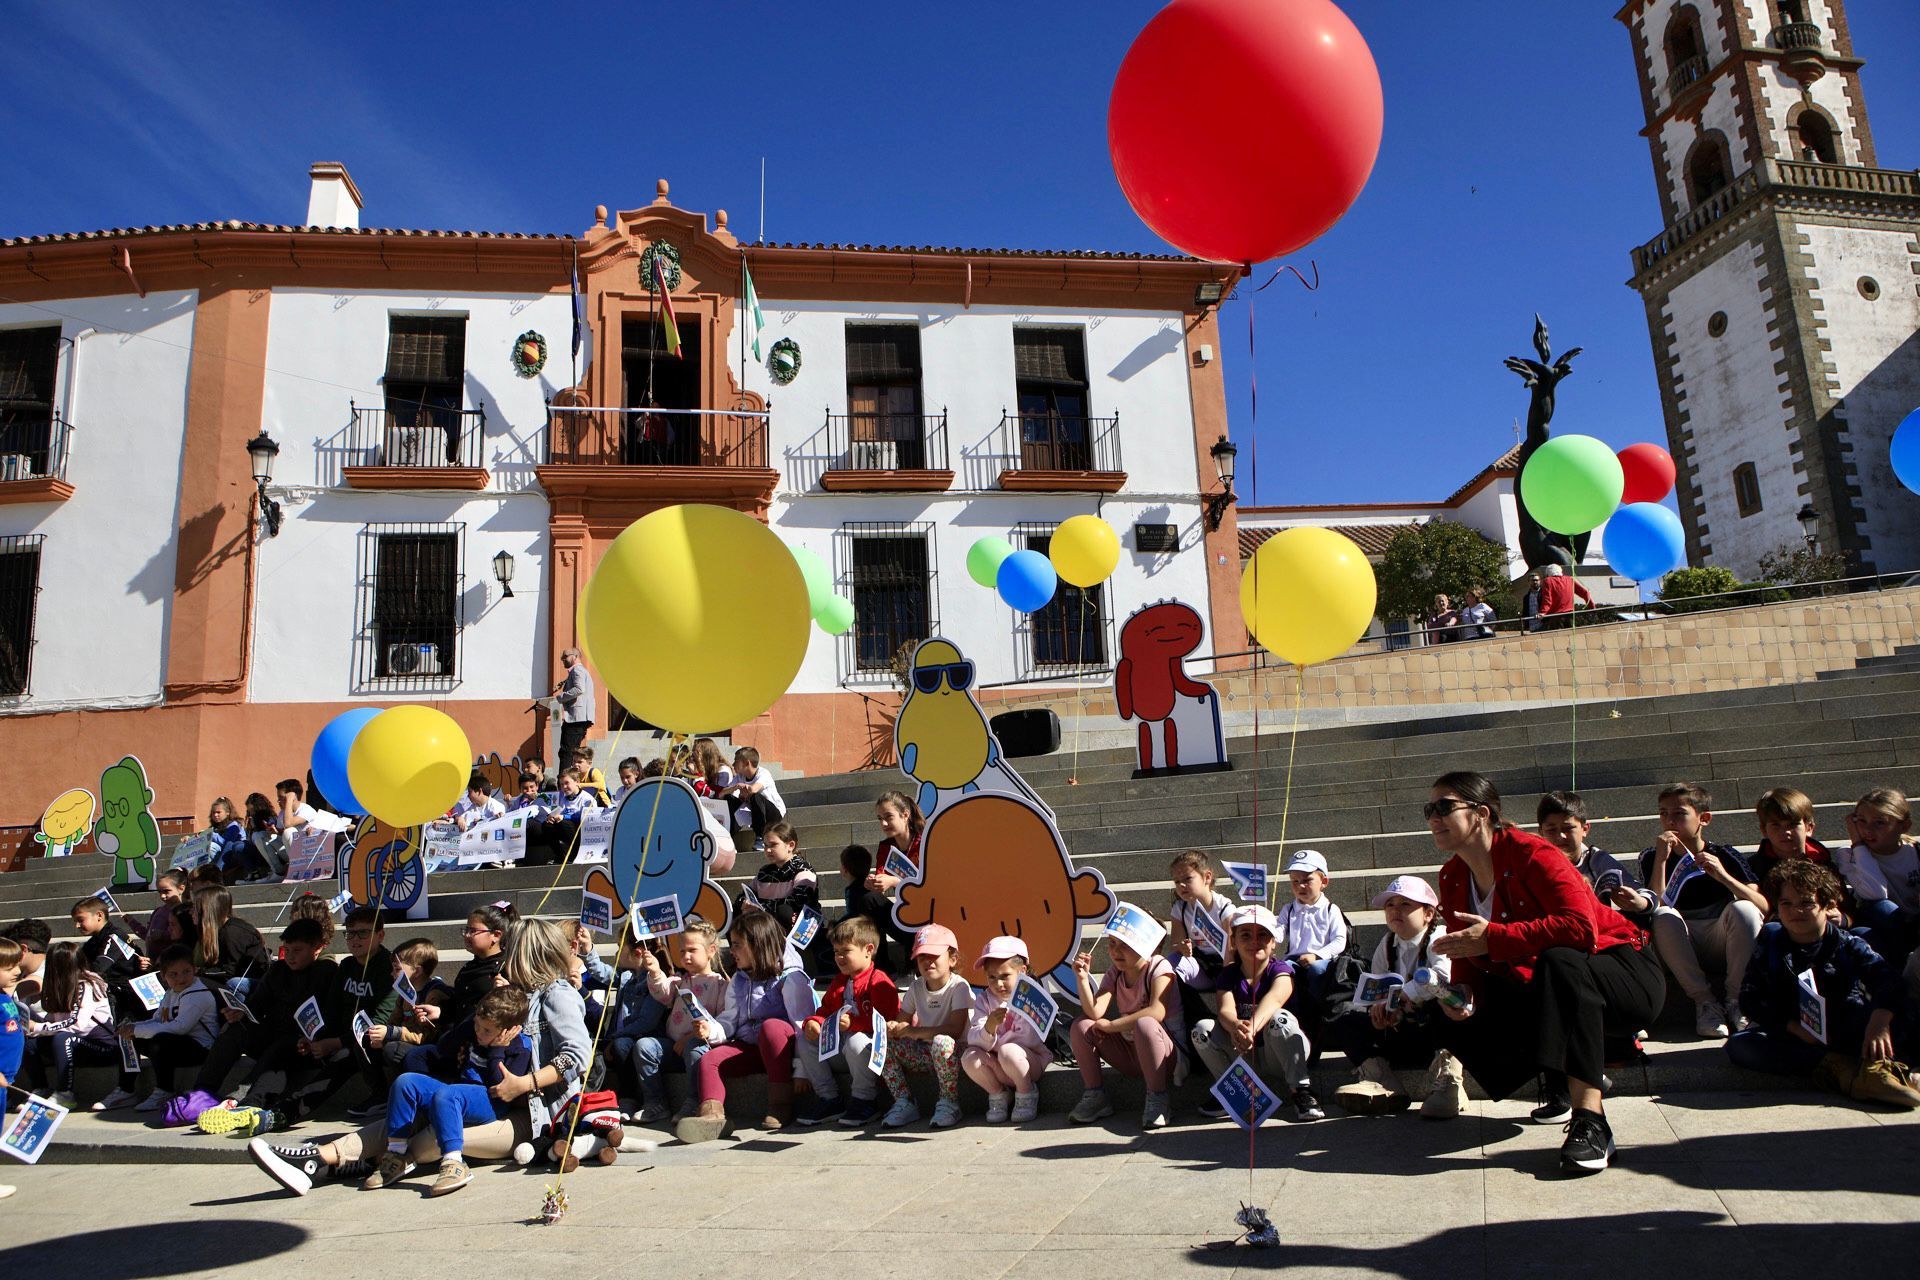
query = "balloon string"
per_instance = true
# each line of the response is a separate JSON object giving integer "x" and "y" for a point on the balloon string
{"x": 1286, "y": 801}
{"x": 1259, "y": 666}
{"x": 1310, "y": 288}
{"x": 1573, "y": 667}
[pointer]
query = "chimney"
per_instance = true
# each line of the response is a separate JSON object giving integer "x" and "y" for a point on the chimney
{"x": 335, "y": 201}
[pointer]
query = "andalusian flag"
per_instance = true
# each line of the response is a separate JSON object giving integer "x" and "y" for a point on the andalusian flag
{"x": 666, "y": 307}
{"x": 755, "y": 318}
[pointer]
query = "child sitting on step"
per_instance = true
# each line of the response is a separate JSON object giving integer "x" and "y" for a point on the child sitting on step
{"x": 1561, "y": 817}
{"x": 1199, "y": 959}
{"x": 766, "y": 1001}
{"x": 75, "y": 1025}
{"x": 1881, "y": 869}
{"x": 1395, "y": 1032}
{"x": 934, "y": 1016}
{"x": 178, "y": 1033}
{"x": 860, "y": 991}
{"x": 682, "y": 1042}
{"x": 1252, "y": 1021}
{"x": 1005, "y": 1055}
{"x": 1132, "y": 1020}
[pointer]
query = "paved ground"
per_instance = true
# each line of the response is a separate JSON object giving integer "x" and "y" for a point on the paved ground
{"x": 1745, "y": 1186}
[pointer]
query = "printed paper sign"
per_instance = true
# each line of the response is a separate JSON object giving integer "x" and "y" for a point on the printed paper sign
{"x": 1609, "y": 883}
{"x": 403, "y": 988}
{"x": 1813, "y": 1007}
{"x": 192, "y": 852}
{"x": 1249, "y": 879}
{"x": 309, "y": 1018}
{"x": 106, "y": 896}
{"x": 690, "y": 1004}
{"x": 1031, "y": 1001}
{"x": 502, "y": 839}
{"x": 1137, "y": 929}
{"x": 439, "y": 847}
{"x": 362, "y": 1023}
{"x": 1245, "y": 1096}
{"x": 117, "y": 946}
{"x": 900, "y": 866}
{"x": 748, "y": 898}
{"x": 656, "y": 918}
{"x": 806, "y": 926}
{"x": 233, "y": 1001}
{"x": 341, "y": 902}
{"x": 150, "y": 990}
{"x": 1375, "y": 988}
{"x": 878, "y": 1062}
{"x": 332, "y": 823}
{"x": 310, "y": 853}
{"x": 129, "y": 1055}
{"x": 596, "y": 912}
{"x": 31, "y": 1129}
{"x": 830, "y": 1036}
{"x": 1685, "y": 870}
{"x": 1207, "y": 933}
{"x": 596, "y": 835}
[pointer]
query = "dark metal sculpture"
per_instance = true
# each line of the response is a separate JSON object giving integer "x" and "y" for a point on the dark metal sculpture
{"x": 1542, "y": 547}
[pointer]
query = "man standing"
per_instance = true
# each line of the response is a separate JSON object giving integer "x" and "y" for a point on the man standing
{"x": 1530, "y": 603}
{"x": 575, "y": 693}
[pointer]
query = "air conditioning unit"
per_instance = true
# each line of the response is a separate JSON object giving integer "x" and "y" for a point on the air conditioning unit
{"x": 16, "y": 466}
{"x": 408, "y": 446}
{"x": 873, "y": 455}
{"x": 413, "y": 659}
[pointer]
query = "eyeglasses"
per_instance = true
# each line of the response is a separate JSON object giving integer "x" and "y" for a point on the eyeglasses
{"x": 1441, "y": 808}
{"x": 958, "y": 674}
{"x": 359, "y": 933}
{"x": 470, "y": 931}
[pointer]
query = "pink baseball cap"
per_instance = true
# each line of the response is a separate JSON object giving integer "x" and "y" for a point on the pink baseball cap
{"x": 1004, "y": 947}
{"x": 935, "y": 940}
{"x": 1412, "y": 888}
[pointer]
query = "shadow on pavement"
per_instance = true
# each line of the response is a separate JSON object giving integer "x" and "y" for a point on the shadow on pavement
{"x": 134, "y": 1253}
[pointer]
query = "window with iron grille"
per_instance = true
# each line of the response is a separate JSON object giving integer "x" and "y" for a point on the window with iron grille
{"x": 884, "y": 427}
{"x": 889, "y": 573}
{"x": 29, "y": 361}
{"x": 1050, "y": 380}
{"x": 412, "y": 578}
{"x": 19, "y": 588}
{"x": 1071, "y": 631}
{"x": 426, "y": 372}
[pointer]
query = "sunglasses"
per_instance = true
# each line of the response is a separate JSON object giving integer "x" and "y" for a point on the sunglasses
{"x": 959, "y": 676}
{"x": 1441, "y": 808}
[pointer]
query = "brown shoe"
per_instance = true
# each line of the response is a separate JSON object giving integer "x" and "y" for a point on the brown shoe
{"x": 1837, "y": 1072}
{"x": 779, "y": 1107}
{"x": 1884, "y": 1080}
{"x": 704, "y": 1125}
{"x": 614, "y": 1138}
{"x": 393, "y": 1167}
{"x": 454, "y": 1175}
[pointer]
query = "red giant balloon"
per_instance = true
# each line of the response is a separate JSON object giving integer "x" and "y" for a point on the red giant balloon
{"x": 1649, "y": 470}
{"x": 1242, "y": 129}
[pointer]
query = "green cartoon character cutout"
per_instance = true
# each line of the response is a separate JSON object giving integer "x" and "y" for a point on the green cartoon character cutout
{"x": 126, "y": 831}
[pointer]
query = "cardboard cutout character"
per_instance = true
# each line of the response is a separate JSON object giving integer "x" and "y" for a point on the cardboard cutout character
{"x": 942, "y": 736}
{"x": 382, "y": 867}
{"x": 1179, "y": 716}
{"x": 126, "y": 831}
{"x": 67, "y": 822}
{"x": 671, "y": 860}
{"x": 504, "y": 779}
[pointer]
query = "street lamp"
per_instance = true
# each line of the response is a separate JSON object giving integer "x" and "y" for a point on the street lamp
{"x": 262, "y": 451}
{"x": 1224, "y": 451}
{"x": 1810, "y": 527}
{"x": 503, "y": 570}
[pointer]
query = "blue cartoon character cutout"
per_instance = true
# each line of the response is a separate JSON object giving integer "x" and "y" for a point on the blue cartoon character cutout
{"x": 673, "y": 860}
{"x": 942, "y": 737}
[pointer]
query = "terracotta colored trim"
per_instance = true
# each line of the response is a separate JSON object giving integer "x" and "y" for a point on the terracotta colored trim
{"x": 871, "y": 481}
{"x": 1245, "y": 512}
{"x": 1037, "y": 481}
{"x": 748, "y": 488}
{"x": 468, "y": 479}
{"x": 1207, "y": 394}
{"x": 38, "y": 489}
{"x": 1742, "y": 61}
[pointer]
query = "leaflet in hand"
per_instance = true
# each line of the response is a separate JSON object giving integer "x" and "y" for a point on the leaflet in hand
{"x": 1813, "y": 1007}
{"x": 830, "y": 1035}
{"x": 900, "y": 866}
{"x": 1249, "y": 879}
{"x": 106, "y": 896}
{"x": 1140, "y": 931}
{"x": 1031, "y": 1001}
{"x": 341, "y": 902}
{"x": 1245, "y": 1095}
{"x": 806, "y": 926}
{"x": 748, "y": 898}
{"x": 404, "y": 989}
{"x": 690, "y": 1003}
{"x": 362, "y": 1023}
{"x": 233, "y": 1001}
{"x": 877, "y": 1063}
{"x": 129, "y": 1055}
{"x": 596, "y": 912}
{"x": 150, "y": 990}
{"x": 1207, "y": 933}
{"x": 1609, "y": 883}
{"x": 117, "y": 947}
{"x": 656, "y": 918}
{"x": 309, "y": 1018}
{"x": 30, "y": 1130}
{"x": 1375, "y": 988}
{"x": 1683, "y": 871}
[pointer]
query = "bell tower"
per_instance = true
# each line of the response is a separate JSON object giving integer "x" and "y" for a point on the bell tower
{"x": 1783, "y": 295}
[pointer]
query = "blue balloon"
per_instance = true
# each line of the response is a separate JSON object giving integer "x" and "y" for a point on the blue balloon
{"x": 330, "y": 757}
{"x": 1644, "y": 541}
{"x": 1905, "y": 453}
{"x": 1026, "y": 581}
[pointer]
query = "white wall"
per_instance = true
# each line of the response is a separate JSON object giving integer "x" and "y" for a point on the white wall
{"x": 107, "y": 566}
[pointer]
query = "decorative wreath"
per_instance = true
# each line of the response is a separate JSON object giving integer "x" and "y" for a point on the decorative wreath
{"x": 669, "y": 264}
{"x": 529, "y": 354}
{"x": 783, "y": 361}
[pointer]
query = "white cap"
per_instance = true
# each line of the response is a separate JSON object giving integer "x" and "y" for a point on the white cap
{"x": 1253, "y": 913}
{"x": 1412, "y": 888}
{"x": 1307, "y": 860}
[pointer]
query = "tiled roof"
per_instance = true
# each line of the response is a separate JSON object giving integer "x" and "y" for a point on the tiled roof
{"x": 1508, "y": 462}
{"x": 1371, "y": 538}
{"x": 1000, "y": 253}
{"x": 116, "y": 232}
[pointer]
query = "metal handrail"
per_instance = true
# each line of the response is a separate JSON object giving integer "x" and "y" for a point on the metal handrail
{"x": 34, "y": 448}
{"x": 892, "y": 441}
{"x": 649, "y": 436}
{"x": 1045, "y": 441}
{"x": 417, "y": 436}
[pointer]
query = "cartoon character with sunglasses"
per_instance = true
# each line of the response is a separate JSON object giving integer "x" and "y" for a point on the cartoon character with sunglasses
{"x": 942, "y": 736}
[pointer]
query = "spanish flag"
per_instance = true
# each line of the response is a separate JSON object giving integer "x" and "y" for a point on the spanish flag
{"x": 666, "y": 308}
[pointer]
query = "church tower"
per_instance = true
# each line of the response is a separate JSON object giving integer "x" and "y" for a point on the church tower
{"x": 1784, "y": 294}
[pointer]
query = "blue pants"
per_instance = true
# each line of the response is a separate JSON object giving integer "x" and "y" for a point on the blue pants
{"x": 1885, "y": 930}
{"x": 450, "y": 1108}
{"x": 653, "y": 1056}
{"x": 1776, "y": 1052}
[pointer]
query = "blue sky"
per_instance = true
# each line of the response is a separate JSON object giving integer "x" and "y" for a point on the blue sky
{"x": 1512, "y": 177}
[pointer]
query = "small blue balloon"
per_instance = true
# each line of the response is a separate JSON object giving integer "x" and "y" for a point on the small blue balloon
{"x": 330, "y": 757}
{"x": 1905, "y": 452}
{"x": 1026, "y": 581}
{"x": 1644, "y": 541}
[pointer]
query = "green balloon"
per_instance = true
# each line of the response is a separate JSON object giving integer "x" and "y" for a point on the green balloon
{"x": 983, "y": 560}
{"x": 1572, "y": 484}
{"x": 835, "y": 616}
{"x": 818, "y": 577}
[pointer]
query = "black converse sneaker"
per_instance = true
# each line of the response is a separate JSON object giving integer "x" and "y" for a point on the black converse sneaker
{"x": 1589, "y": 1144}
{"x": 295, "y": 1166}
{"x": 1554, "y": 1108}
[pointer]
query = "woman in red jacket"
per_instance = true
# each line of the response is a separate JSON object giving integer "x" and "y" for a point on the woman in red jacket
{"x": 1551, "y": 969}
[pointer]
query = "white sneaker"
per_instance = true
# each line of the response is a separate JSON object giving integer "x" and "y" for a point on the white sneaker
{"x": 902, "y": 1113}
{"x": 155, "y": 1101}
{"x": 1736, "y": 1021}
{"x": 1156, "y": 1111}
{"x": 998, "y": 1105}
{"x": 1026, "y": 1106}
{"x": 1447, "y": 1088}
{"x": 1710, "y": 1020}
{"x": 946, "y": 1114}
{"x": 114, "y": 1101}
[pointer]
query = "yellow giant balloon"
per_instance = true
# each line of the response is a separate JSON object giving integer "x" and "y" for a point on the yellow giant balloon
{"x": 1085, "y": 550}
{"x": 1308, "y": 595}
{"x": 697, "y": 617}
{"x": 409, "y": 764}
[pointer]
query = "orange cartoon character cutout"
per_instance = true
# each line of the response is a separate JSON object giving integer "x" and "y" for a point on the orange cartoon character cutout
{"x": 1178, "y": 716}
{"x": 502, "y": 778}
{"x": 992, "y": 865}
{"x": 382, "y": 866}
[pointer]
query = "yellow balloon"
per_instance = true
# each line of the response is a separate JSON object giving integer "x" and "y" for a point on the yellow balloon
{"x": 1308, "y": 595}
{"x": 697, "y": 617}
{"x": 409, "y": 764}
{"x": 1085, "y": 550}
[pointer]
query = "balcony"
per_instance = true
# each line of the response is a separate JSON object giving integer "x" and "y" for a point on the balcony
{"x": 1805, "y": 60}
{"x": 886, "y": 453}
{"x": 33, "y": 460}
{"x": 1050, "y": 452}
{"x": 655, "y": 455}
{"x": 421, "y": 447}
{"x": 1834, "y": 187}
{"x": 1690, "y": 72}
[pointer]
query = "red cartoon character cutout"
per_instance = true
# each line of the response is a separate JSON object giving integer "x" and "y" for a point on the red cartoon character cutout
{"x": 1179, "y": 716}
